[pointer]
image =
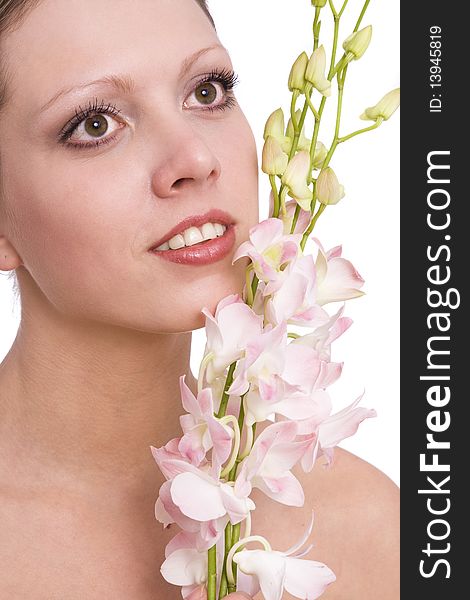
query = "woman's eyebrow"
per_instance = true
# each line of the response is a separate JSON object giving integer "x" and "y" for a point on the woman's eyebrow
{"x": 125, "y": 83}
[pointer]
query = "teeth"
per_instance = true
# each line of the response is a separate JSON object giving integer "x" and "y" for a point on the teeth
{"x": 193, "y": 235}
{"x": 177, "y": 241}
{"x": 208, "y": 231}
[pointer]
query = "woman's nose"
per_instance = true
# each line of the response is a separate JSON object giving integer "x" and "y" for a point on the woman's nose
{"x": 187, "y": 162}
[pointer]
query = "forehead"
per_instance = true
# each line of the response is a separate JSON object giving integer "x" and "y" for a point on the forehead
{"x": 63, "y": 43}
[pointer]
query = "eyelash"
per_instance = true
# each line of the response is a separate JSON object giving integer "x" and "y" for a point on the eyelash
{"x": 227, "y": 78}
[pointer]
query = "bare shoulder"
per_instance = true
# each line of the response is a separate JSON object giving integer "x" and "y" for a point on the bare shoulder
{"x": 356, "y": 526}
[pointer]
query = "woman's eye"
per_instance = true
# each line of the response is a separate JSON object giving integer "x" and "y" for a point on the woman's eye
{"x": 94, "y": 128}
{"x": 208, "y": 93}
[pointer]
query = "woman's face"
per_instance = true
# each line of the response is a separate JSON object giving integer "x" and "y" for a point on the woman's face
{"x": 83, "y": 219}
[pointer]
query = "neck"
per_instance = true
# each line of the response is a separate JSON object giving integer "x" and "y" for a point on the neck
{"x": 83, "y": 402}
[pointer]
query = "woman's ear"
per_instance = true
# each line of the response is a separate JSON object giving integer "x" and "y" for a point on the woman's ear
{"x": 9, "y": 257}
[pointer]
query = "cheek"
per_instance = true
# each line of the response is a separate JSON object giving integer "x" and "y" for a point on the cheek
{"x": 240, "y": 165}
{"x": 69, "y": 233}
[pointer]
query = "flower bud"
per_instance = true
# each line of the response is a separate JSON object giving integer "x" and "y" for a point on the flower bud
{"x": 295, "y": 178}
{"x": 320, "y": 155}
{"x": 297, "y": 73}
{"x": 275, "y": 124}
{"x": 319, "y": 3}
{"x": 304, "y": 142}
{"x": 328, "y": 189}
{"x": 304, "y": 198}
{"x": 384, "y": 107}
{"x": 357, "y": 43}
{"x": 274, "y": 161}
{"x": 315, "y": 71}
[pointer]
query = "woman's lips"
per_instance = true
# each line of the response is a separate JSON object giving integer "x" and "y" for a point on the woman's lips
{"x": 202, "y": 253}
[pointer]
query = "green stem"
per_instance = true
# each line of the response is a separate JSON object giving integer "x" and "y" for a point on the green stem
{"x": 212, "y": 574}
{"x": 342, "y": 8}
{"x": 223, "y": 589}
{"x": 249, "y": 291}
{"x": 235, "y": 539}
{"x": 361, "y": 16}
{"x": 228, "y": 383}
{"x": 312, "y": 108}
{"x": 351, "y": 135}
{"x": 309, "y": 229}
{"x": 333, "y": 9}
{"x": 293, "y": 104}
{"x": 276, "y": 205}
{"x": 316, "y": 28}
{"x": 254, "y": 284}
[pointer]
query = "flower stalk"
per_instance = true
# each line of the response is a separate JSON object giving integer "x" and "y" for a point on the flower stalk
{"x": 248, "y": 342}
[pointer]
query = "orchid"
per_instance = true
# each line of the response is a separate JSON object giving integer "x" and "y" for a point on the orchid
{"x": 337, "y": 279}
{"x": 277, "y": 571}
{"x": 295, "y": 302}
{"x": 228, "y": 332}
{"x": 269, "y": 249}
{"x": 324, "y": 436}
{"x": 268, "y": 465}
{"x": 267, "y": 361}
{"x": 202, "y": 431}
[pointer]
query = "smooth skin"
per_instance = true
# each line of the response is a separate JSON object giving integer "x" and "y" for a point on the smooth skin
{"x": 92, "y": 378}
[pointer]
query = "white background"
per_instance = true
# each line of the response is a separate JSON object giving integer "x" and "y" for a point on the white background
{"x": 264, "y": 37}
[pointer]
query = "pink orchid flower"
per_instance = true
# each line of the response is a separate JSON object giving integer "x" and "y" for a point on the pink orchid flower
{"x": 278, "y": 571}
{"x": 167, "y": 512}
{"x": 295, "y": 301}
{"x": 303, "y": 219}
{"x": 228, "y": 333}
{"x": 331, "y": 431}
{"x": 268, "y": 465}
{"x": 262, "y": 364}
{"x": 269, "y": 248}
{"x": 337, "y": 279}
{"x": 323, "y": 336}
{"x": 187, "y": 567}
{"x": 202, "y": 431}
{"x": 300, "y": 389}
{"x": 199, "y": 502}
{"x": 306, "y": 369}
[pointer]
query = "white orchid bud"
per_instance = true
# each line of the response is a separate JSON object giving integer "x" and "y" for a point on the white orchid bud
{"x": 315, "y": 71}
{"x": 275, "y": 124}
{"x": 303, "y": 199}
{"x": 274, "y": 160}
{"x": 297, "y": 73}
{"x": 295, "y": 178}
{"x": 357, "y": 43}
{"x": 384, "y": 107}
{"x": 320, "y": 155}
{"x": 319, "y": 3}
{"x": 328, "y": 190}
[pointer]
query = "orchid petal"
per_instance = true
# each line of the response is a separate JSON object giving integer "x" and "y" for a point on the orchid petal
{"x": 203, "y": 503}
{"x": 185, "y": 567}
{"x": 307, "y": 578}
{"x": 266, "y": 233}
{"x": 285, "y": 490}
{"x": 268, "y": 567}
{"x": 343, "y": 424}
